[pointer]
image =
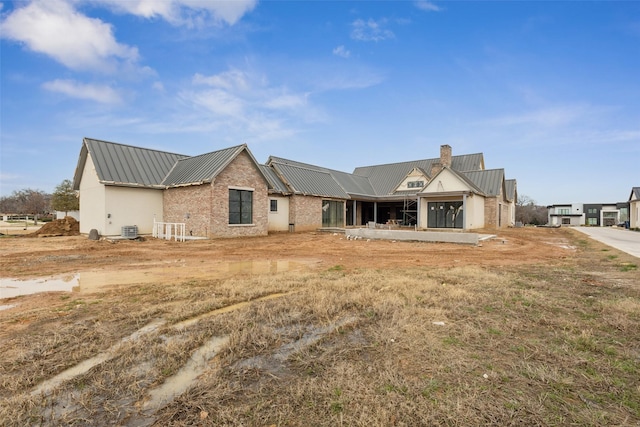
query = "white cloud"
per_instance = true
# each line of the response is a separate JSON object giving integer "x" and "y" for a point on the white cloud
{"x": 342, "y": 52}
{"x": 158, "y": 86}
{"x": 370, "y": 30}
{"x": 228, "y": 80}
{"x": 191, "y": 13}
{"x": 73, "y": 89}
{"x": 545, "y": 117}
{"x": 56, "y": 29}
{"x": 427, "y": 6}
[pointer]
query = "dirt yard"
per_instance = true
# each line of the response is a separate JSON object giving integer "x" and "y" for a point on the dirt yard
{"x": 534, "y": 327}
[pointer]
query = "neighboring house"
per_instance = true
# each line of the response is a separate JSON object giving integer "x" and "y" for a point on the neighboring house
{"x": 227, "y": 193}
{"x": 634, "y": 208}
{"x": 592, "y": 214}
{"x": 566, "y": 214}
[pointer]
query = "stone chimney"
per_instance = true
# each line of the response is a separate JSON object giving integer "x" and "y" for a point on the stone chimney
{"x": 445, "y": 155}
{"x": 435, "y": 168}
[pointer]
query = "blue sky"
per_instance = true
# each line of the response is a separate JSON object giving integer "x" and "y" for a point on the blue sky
{"x": 549, "y": 91}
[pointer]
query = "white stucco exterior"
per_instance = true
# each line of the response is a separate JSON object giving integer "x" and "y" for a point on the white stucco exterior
{"x": 412, "y": 179}
{"x": 279, "y": 220}
{"x": 446, "y": 186}
{"x": 92, "y": 200}
{"x": 109, "y": 208}
{"x": 474, "y": 214}
{"x": 634, "y": 213}
{"x": 445, "y": 181}
{"x": 131, "y": 206}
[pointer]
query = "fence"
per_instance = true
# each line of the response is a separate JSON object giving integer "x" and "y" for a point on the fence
{"x": 169, "y": 230}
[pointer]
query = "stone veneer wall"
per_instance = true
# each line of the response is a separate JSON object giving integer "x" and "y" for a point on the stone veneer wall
{"x": 305, "y": 212}
{"x": 240, "y": 173}
{"x": 207, "y": 205}
{"x": 491, "y": 212}
{"x": 491, "y": 215}
{"x": 191, "y": 205}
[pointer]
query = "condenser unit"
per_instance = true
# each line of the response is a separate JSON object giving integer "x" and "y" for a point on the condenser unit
{"x": 130, "y": 231}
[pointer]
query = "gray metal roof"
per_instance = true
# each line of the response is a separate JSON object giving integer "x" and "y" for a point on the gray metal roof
{"x": 351, "y": 184}
{"x": 635, "y": 194}
{"x": 202, "y": 168}
{"x": 276, "y": 184}
{"x": 309, "y": 181}
{"x": 125, "y": 164}
{"x": 385, "y": 178}
{"x": 510, "y": 186}
{"x": 490, "y": 181}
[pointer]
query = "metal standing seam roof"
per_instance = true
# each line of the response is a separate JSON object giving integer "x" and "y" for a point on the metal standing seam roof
{"x": 385, "y": 178}
{"x": 125, "y": 164}
{"x": 202, "y": 168}
{"x": 635, "y": 194}
{"x": 277, "y": 185}
{"x": 510, "y": 186}
{"x": 350, "y": 184}
{"x": 310, "y": 181}
{"x": 489, "y": 181}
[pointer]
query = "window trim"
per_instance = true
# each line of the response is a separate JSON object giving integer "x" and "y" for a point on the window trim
{"x": 240, "y": 189}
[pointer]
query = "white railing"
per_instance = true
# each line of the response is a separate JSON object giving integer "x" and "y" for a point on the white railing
{"x": 169, "y": 230}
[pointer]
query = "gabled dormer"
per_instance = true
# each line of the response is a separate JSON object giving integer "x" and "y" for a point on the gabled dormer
{"x": 414, "y": 181}
{"x": 450, "y": 182}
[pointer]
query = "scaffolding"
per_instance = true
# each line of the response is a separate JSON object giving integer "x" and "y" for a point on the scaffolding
{"x": 410, "y": 211}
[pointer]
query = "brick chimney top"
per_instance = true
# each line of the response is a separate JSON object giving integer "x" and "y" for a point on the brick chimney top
{"x": 435, "y": 168}
{"x": 445, "y": 155}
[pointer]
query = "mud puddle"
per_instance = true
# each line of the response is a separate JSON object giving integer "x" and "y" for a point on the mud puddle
{"x": 91, "y": 281}
{"x": 171, "y": 388}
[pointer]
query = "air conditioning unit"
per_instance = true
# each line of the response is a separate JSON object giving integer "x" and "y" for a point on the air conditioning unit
{"x": 130, "y": 231}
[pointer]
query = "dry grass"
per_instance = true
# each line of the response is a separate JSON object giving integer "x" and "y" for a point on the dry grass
{"x": 520, "y": 345}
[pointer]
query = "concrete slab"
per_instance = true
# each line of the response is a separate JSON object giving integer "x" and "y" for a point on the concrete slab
{"x": 626, "y": 240}
{"x": 417, "y": 236}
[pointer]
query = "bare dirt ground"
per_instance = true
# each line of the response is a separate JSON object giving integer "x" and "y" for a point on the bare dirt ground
{"x": 534, "y": 327}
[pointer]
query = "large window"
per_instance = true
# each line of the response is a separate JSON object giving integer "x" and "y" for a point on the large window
{"x": 332, "y": 213}
{"x": 564, "y": 211}
{"x": 240, "y": 206}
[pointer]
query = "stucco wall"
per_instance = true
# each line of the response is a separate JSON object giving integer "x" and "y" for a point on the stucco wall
{"x": 474, "y": 217}
{"x": 131, "y": 206}
{"x": 446, "y": 181}
{"x": 279, "y": 221}
{"x": 634, "y": 214}
{"x": 305, "y": 212}
{"x": 92, "y": 200}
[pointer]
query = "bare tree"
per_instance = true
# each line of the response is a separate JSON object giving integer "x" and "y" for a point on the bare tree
{"x": 27, "y": 201}
{"x": 528, "y": 212}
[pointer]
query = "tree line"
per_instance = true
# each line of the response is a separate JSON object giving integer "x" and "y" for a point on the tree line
{"x": 37, "y": 202}
{"x": 530, "y": 213}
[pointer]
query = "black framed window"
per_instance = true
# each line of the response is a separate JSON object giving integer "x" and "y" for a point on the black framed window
{"x": 240, "y": 206}
{"x": 274, "y": 205}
